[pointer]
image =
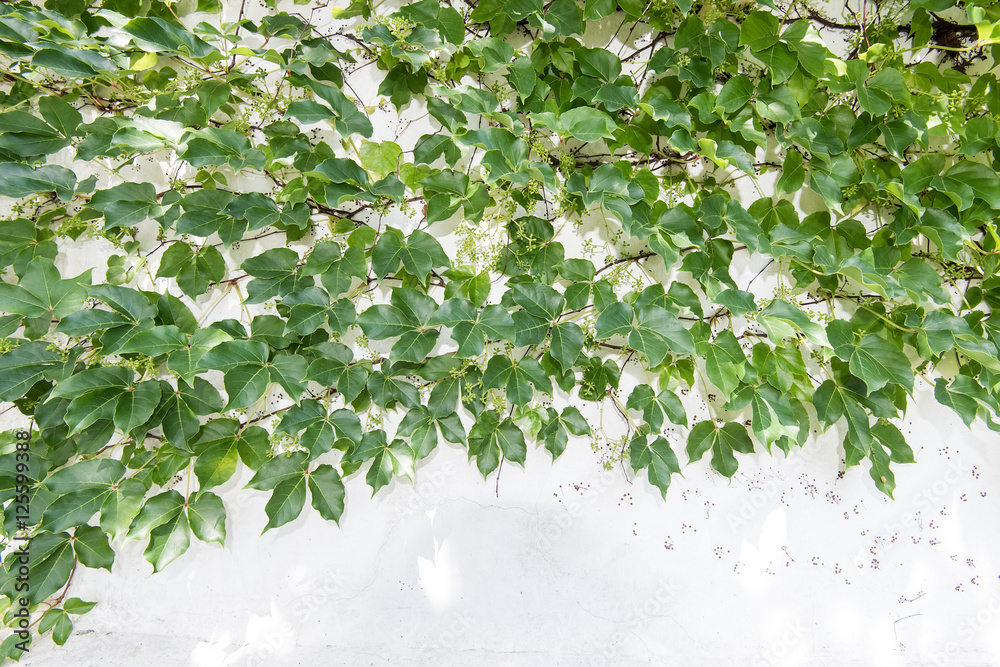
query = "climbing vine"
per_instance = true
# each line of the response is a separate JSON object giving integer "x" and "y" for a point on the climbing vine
{"x": 225, "y": 250}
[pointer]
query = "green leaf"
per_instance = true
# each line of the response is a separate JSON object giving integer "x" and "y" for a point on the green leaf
{"x": 779, "y": 105}
{"x": 218, "y": 453}
{"x": 207, "y": 518}
{"x": 127, "y": 204}
{"x": 723, "y": 442}
{"x": 24, "y": 366}
{"x": 735, "y": 93}
{"x": 136, "y": 405}
{"x": 77, "y": 606}
{"x": 327, "y": 491}
{"x": 156, "y": 35}
{"x": 156, "y": 512}
{"x": 51, "y": 565}
{"x": 877, "y": 362}
{"x": 567, "y": 343}
{"x": 539, "y": 300}
{"x": 419, "y": 428}
{"x": 286, "y": 502}
{"x": 490, "y": 438}
{"x": 278, "y": 469}
{"x": 587, "y": 124}
{"x": 168, "y": 541}
{"x": 615, "y": 320}
{"x": 737, "y": 301}
{"x": 654, "y": 406}
{"x": 600, "y": 63}
{"x": 657, "y": 457}
{"x": 781, "y": 320}
{"x": 42, "y": 291}
{"x": 90, "y": 544}
{"x": 121, "y": 506}
{"x": 657, "y": 333}
{"x": 516, "y": 377}
{"x": 90, "y": 474}
{"x": 792, "y": 174}
{"x": 832, "y": 402}
{"x": 725, "y": 363}
{"x": 20, "y": 180}
{"x": 309, "y": 112}
{"x": 419, "y": 253}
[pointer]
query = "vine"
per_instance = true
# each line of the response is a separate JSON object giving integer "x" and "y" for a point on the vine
{"x": 583, "y": 216}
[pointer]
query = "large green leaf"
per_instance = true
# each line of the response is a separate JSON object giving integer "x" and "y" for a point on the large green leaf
{"x": 722, "y": 442}
{"x": 657, "y": 457}
{"x": 491, "y": 438}
{"x": 877, "y": 362}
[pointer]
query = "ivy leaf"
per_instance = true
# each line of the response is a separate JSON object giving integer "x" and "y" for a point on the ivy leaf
{"x": 60, "y": 114}
{"x": 168, "y": 541}
{"x": 207, "y": 518}
{"x": 657, "y": 333}
{"x": 567, "y": 343}
{"x": 792, "y": 174}
{"x": 654, "y": 406}
{"x": 877, "y": 362}
{"x": 387, "y": 459}
{"x": 832, "y": 402}
{"x": 278, "y": 469}
{"x": 517, "y": 378}
{"x": 723, "y": 442}
{"x": 217, "y": 453}
{"x": 554, "y": 431}
{"x": 725, "y": 363}
{"x": 20, "y": 180}
{"x": 657, "y": 457}
{"x": 615, "y": 320}
{"x": 309, "y": 112}
{"x": 135, "y": 405}
{"x": 420, "y": 428}
{"x": 781, "y": 319}
{"x": 43, "y": 292}
{"x": 587, "y": 124}
{"x": 156, "y": 35}
{"x": 24, "y": 366}
{"x": 419, "y": 253}
{"x": 286, "y": 502}
{"x": 888, "y": 446}
{"x": 490, "y": 438}
{"x": 52, "y": 564}
{"x": 127, "y": 204}
{"x": 155, "y": 512}
{"x": 327, "y": 492}
{"x": 121, "y": 505}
